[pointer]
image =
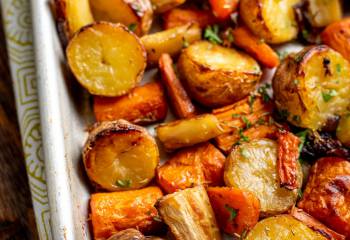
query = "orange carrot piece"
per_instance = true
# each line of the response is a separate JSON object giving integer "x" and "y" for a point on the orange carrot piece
{"x": 262, "y": 52}
{"x": 182, "y": 105}
{"x": 288, "y": 155}
{"x": 113, "y": 212}
{"x": 178, "y": 17}
{"x": 197, "y": 165}
{"x": 143, "y": 105}
{"x": 315, "y": 225}
{"x": 236, "y": 210}
{"x": 222, "y": 9}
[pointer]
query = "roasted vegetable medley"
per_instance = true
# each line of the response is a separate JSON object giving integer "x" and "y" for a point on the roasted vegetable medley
{"x": 236, "y": 135}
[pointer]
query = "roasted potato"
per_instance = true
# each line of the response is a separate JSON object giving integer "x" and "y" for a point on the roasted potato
{"x": 170, "y": 41}
{"x": 161, "y": 6}
{"x": 119, "y": 156}
{"x": 253, "y": 166}
{"x": 71, "y": 15}
{"x": 236, "y": 210}
{"x": 282, "y": 227}
{"x": 189, "y": 215}
{"x": 216, "y": 76}
{"x": 327, "y": 193}
{"x": 343, "y": 130}
{"x": 187, "y": 132}
{"x": 337, "y": 36}
{"x": 142, "y": 105}
{"x": 107, "y": 59}
{"x": 321, "y": 13}
{"x": 198, "y": 165}
{"x": 136, "y": 14}
{"x": 113, "y": 212}
{"x": 272, "y": 21}
{"x": 312, "y": 86}
{"x": 128, "y": 234}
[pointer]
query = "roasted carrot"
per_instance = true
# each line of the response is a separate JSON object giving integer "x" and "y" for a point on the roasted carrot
{"x": 288, "y": 155}
{"x": 337, "y": 36}
{"x": 315, "y": 225}
{"x": 116, "y": 211}
{"x": 181, "y": 103}
{"x": 178, "y": 17}
{"x": 143, "y": 105}
{"x": 222, "y": 9}
{"x": 236, "y": 210}
{"x": 197, "y": 165}
{"x": 243, "y": 38}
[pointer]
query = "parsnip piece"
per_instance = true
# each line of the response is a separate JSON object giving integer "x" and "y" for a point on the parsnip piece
{"x": 189, "y": 215}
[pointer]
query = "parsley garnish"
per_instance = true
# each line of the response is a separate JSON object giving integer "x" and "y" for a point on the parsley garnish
{"x": 242, "y": 136}
{"x": 305, "y": 34}
{"x": 327, "y": 96}
{"x": 296, "y": 118}
{"x": 298, "y": 58}
{"x": 338, "y": 66}
{"x": 251, "y": 100}
{"x": 132, "y": 27}
{"x": 230, "y": 36}
{"x": 282, "y": 55}
{"x": 244, "y": 152}
{"x": 263, "y": 91}
{"x": 302, "y": 136}
{"x": 233, "y": 212}
{"x": 247, "y": 123}
{"x": 157, "y": 219}
{"x": 123, "y": 183}
{"x": 300, "y": 193}
{"x": 236, "y": 115}
{"x": 211, "y": 33}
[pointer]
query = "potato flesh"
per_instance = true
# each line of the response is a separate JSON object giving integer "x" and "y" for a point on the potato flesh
{"x": 78, "y": 14}
{"x": 106, "y": 59}
{"x": 122, "y": 160}
{"x": 188, "y": 132}
{"x": 252, "y": 166}
{"x": 343, "y": 130}
{"x": 282, "y": 227}
{"x": 322, "y": 13}
{"x": 165, "y": 5}
{"x": 170, "y": 41}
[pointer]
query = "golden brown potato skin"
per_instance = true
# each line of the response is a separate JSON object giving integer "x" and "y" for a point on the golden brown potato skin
{"x": 272, "y": 21}
{"x": 327, "y": 193}
{"x": 343, "y": 130}
{"x": 212, "y": 82}
{"x": 312, "y": 86}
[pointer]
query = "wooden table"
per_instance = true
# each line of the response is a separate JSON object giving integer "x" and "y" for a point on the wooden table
{"x": 16, "y": 212}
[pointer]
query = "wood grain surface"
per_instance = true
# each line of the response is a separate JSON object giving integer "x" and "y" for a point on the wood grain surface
{"x": 16, "y": 212}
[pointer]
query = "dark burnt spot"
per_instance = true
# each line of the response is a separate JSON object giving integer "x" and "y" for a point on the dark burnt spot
{"x": 341, "y": 184}
{"x": 326, "y": 66}
{"x": 331, "y": 124}
{"x": 323, "y": 233}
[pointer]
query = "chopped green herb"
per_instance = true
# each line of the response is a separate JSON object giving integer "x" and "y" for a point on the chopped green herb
{"x": 247, "y": 123}
{"x": 300, "y": 193}
{"x": 282, "y": 54}
{"x": 260, "y": 121}
{"x": 157, "y": 219}
{"x": 244, "y": 152}
{"x": 235, "y": 115}
{"x": 123, "y": 183}
{"x": 251, "y": 100}
{"x": 283, "y": 114}
{"x": 233, "y": 212}
{"x": 230, "y": 36}
{"x": 211, "y": 33}
{"x": 298, "y": 58}
{"x": 263, "y": 91}
{"x": 296, "y": 118}
{"x": 242, "y": 136}
{"x": 185, "y": 43}
{"x": 302, "y": 136}
{"x": 305, "y": 34}
{"x": 132, "y": 27}
{"x": 338, "y": 67}
{"x": 327, "y": 96}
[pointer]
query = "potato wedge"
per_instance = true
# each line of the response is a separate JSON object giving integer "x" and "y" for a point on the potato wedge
{"x": 236, "y": 210}
{"x": 312, "y": 86}
{"x": 253, "y": 166}
{"x": 71, "y": 15}
{"x": 117, "y": 211}
{"x": 272, "y": 21}
{"x": 189, "y": 215}
{"x": 322, "y": 13}
{"x": 161, "y": 6}
{"x": 282, "y": 227}
{"x": 182, "y": 105}
{"x": 107, "y": 59}
{"x": 142, "y": 105}
{"x": 202, "y": 164}
{"x": 337, "y": 36}
{"x": 216, "y": 76}
{"x": 119, "y": 156}
{"x": 327, "y": 193}
{"x": 187, "y": 132}
{"x": 343, "y": 130}
{"x": 170, "y": 41}
{"x": 137, "y": 14}
{"x": 128, "y": 234}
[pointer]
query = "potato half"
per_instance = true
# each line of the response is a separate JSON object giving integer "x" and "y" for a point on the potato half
{"x": 320, "y": 13}
{"x": 216, "y": 76}
{"x": 282, "y": 227}
{"x": 252, "y": 166}
{"x": 312, "y": 86}
{"x": 137, "y": 14}
{"x": 271, "y": 20}
{"x": 120, "y": 156}
{"x": 71, "y": 15}
{"x": 343, "y": 130}
{"x": 107, "y": 59}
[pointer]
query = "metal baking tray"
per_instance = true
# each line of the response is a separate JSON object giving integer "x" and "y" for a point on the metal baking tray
{"x": 65, "y": 115}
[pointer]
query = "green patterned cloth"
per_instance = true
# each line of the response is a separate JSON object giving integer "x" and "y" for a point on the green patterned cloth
{"x": 18, "y": 30}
